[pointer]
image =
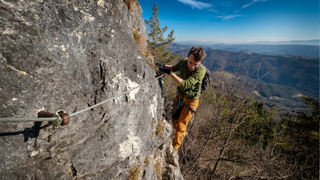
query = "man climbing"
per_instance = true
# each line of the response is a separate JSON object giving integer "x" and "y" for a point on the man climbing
{"x": 189, "y": 82}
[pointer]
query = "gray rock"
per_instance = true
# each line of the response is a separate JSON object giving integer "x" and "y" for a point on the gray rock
{"x": 149, "y": 171}
{"x": 69, "y": 55}
{"x": 168, "y": 159}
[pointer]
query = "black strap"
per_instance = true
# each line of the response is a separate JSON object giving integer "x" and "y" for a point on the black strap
{"x": 193, "y": 110}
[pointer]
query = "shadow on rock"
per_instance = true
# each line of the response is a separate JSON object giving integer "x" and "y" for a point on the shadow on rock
{"x": 32, "y": 132}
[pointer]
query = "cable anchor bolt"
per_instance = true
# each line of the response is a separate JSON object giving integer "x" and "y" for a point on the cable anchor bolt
{"x": 62, "y": 118}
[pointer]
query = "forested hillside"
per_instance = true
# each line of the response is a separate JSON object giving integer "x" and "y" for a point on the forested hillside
{"x": 233, "y": 136}
{"x": 297, "y": 72}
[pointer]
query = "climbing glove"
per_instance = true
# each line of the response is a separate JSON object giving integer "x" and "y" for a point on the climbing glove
{"x": 160, "y": 65}
{"x": 162, "y": 69}
{"x": 168, "y": 71}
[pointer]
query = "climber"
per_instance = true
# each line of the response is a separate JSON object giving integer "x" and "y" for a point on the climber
{"x": 187, "y": 98}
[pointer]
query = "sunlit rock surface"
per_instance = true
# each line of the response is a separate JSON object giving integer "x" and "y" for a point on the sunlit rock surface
{"x": 69, "y": 55}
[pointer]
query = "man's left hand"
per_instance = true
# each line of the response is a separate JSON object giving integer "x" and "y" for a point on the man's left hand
{"x": 168, "y": 71}
{"x": 160, "y": 65}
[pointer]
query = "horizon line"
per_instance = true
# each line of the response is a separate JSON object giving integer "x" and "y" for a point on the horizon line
{"x": 244, "y": 42}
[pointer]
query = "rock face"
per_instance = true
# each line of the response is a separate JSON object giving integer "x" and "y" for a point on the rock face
{"x": 69, "y": 55}
{"x": 168, "y": 159}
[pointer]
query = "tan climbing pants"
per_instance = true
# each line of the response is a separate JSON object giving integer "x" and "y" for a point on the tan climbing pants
{"x": 180, "y": 124}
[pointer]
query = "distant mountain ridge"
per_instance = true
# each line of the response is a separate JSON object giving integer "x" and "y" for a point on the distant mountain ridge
{"x": 309, "y": 48}
{"x": 313, "y": 42}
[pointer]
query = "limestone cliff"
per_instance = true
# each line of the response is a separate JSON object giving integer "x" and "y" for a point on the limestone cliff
{"x": 69, "y": 55}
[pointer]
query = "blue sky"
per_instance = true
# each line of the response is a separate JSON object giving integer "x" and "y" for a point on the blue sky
{"x": 237, "y": 21}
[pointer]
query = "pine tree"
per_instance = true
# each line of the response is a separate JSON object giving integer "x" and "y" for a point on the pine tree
{"x": 157, "y": 44}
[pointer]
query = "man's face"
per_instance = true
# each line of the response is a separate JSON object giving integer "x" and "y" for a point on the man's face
{"x": 192, "y": 64}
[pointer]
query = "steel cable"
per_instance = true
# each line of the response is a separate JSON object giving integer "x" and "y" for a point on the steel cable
{"x": 91, "y": 107}
{"x": 26, "y": 119}
{"x": 73, "y": 114}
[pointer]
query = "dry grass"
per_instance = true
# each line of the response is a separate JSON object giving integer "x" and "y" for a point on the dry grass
{"x": 160, "y": 127}
{"x": 159, "y": 131}
{"x": 147, "y": 160}
{"x": 140, "y": 41}
{"x": 152, "y": 132}
{"x": 136, "y": 36}
{"x": 130, "y": 3}
{"x": 158, "y": 168}
{"x": 139, "y": 38}
{"x": 134, "y": 173}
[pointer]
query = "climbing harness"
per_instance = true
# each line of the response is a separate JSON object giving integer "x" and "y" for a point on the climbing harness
{"x": 179, "y": 108}
{"x": 61, "y": 118}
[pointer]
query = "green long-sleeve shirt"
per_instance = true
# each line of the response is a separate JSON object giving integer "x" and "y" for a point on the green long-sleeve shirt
{"x": 190, "y": 78}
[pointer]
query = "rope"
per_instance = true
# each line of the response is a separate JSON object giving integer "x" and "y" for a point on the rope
{"x": 73, "y": 114}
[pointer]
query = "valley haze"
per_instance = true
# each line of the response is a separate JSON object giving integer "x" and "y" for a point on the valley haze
{"x": 306, "y": 48}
